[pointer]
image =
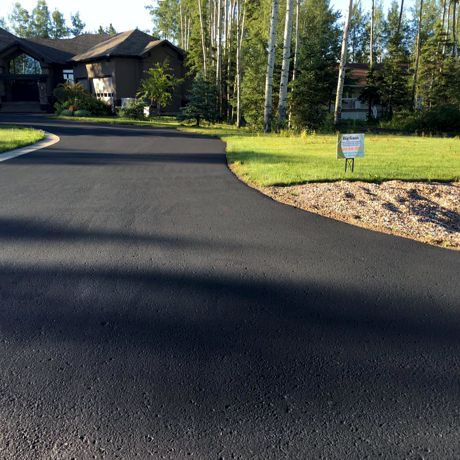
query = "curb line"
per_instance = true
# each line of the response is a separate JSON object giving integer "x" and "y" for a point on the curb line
{"x": 49, "y": 140}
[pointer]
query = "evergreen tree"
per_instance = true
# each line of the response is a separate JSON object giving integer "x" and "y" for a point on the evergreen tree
{"x": 58, "y": 28}
{"x": 202, "y": 102}
{"x": 313, "y": 89}
{"x": 394, "y": 81}
{"x": 359, "y": 35}
{"x": 20, "y": 21}
{"x": 77, "y": 24}
{"x": 41, "y": 20}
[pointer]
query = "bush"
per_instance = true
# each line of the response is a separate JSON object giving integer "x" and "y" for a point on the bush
{"x": 66, "y": 113}
{"x": 82, "y": 113}
{"x": 433, "y": 121}
{"x": 134, "y": 110}
{"x": 74, "y": 97}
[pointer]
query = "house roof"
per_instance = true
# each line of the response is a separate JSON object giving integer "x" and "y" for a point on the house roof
{"x": 133, "y": 43}
{"x": 86, "y": 47}
{"x": 51, "y": 51}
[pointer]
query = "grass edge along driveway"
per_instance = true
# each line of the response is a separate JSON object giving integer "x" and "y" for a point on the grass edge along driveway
{"x": 283, "y": 160}
{"x": 14, "y": 137}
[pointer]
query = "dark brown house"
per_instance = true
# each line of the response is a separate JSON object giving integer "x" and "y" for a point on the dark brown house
{"x": 111, "y": 68}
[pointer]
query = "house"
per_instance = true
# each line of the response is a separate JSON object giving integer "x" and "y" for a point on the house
{"x": 352, "y": 107}
{"x": 111, "y": 68}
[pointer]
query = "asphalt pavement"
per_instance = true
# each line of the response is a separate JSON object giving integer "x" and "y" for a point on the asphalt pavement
{"x": 153, "y": 306}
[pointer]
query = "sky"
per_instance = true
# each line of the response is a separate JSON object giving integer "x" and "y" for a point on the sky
{"x": 124, "y": 15}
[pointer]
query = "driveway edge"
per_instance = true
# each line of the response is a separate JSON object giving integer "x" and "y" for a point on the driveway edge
{"x": 50, "y": 139}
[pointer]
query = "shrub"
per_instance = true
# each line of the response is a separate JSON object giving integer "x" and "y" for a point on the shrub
{"x": 202, "y": 102}
{"x": 82, "y": 113}
{"x": 72, "y": 96}
{"x": 134, "y": 110}
{"x": 67, "y": 113}
{"x": 432, "y": 121}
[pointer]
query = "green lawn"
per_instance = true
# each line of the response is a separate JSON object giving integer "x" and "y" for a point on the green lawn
{"x": 287, "y": 159}
{"x": 277, "y": 160}
{"x": 12, "y": 137}
{"x": 159, "y": 122}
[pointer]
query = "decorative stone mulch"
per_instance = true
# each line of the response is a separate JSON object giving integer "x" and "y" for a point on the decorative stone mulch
{"x": 427, "y": 212}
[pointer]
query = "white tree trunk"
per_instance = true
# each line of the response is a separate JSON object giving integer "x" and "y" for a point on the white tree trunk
{"x": 203, "y": 40}
{"x": 239, "y": 43}
{"x": 342, "y": 68}
{"x": 371, "y": 44}
{"x": 268, "y": 110}
{"x": 417, "y": 55}
{"x": 285, "y": 65}
{"x": 296, "y": 48}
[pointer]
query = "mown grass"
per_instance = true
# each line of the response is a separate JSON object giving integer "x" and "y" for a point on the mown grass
{"x": 12, "y": 137}
{"x": 267, "y": 160}
{"x": 287, "y": 159}
{"x": 157, "y": 122}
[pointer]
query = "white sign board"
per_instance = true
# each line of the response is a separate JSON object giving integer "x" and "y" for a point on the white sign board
{"x": 350, "y": 146}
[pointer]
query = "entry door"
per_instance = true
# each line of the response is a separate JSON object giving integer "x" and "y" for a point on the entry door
{"x": 24, "y": 90}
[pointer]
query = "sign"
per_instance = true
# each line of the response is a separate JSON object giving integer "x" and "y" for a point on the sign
{"x": 350, "y": 146}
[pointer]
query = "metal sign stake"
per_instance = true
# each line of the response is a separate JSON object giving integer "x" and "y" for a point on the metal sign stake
{"x": 350, "y": 162}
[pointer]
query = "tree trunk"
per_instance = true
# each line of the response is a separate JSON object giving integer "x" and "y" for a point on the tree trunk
{"x": 342, "y": 68}
{"x": 203, "y": 40}
{"x": 268, "y": 110}
{"x": 219, "y": 55}
{"x": 285, "y": 65}
{"x": 296, "y": 48}
{"x": 454, "y": 29}
{"x": 401, "y": 12}
{"x": 371, "y": 44}
{"x": 417, "y": 56}
{"x": 239, "y": 42}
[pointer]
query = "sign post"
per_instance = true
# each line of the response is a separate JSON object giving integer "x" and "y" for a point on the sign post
{"x": 349, "y": 147}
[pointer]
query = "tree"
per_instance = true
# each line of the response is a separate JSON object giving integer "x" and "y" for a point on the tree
{"x": 202, "y": 101}
{"x": 41, "y": 20}
{"x": 77, "y": 24}
{"x": 109, "y": 30}
{"x": 3, "y": 24}
{"x": 270, "y": 67}
{"x": 20, "y": 21}
{"x": 58, "y": 27}
{"x": 417, "y": 53}
{"x": 157, "y": 87}
{"x": 316, "y": 78}
{"x": 342, "y": 68}
{"x": 285, "y": 65}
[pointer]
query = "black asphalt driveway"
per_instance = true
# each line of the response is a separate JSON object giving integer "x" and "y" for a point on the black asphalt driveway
{"x": 152, "y": 306}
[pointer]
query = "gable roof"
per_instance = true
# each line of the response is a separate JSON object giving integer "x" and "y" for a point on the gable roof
{"x": 86, "y": 47}
{"x": 133, "y": 43}
{"x": 51, "y": 51}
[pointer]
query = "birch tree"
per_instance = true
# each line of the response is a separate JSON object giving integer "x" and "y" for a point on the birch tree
{"x": 417, "y": 55}
{"x": 241, "y": 12}
{"x": 268, "y": 109}
{"x": 203, "y": 39}
{"x": 371, "y": 44}
{"x": 342, "y": 68}
{"x": 285, "y": 64}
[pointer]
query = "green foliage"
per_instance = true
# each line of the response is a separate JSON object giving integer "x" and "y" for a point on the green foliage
{"x": 133, "y": 110}
{"x": 165, "y": 15}
{"x": 438, "y": 120}
{"x": 77, "y": 24}
{"x": 157, "y": 86}
{"x": 202, "y": 102}
{"x": 82, "y": 113}
{"x": 109, "y": 30}
{"x": 74, "y": 95}
{"x": 312, "y": 92}
{"x": 58, "y": 27}
{"x": 66, "y": 113}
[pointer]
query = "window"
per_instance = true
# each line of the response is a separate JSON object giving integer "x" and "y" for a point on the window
{"x": 24, "y": 65}
{"x": 68, "y": 75}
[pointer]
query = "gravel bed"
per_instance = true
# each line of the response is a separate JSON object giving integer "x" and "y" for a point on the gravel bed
{"x": 427, "y": 212}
